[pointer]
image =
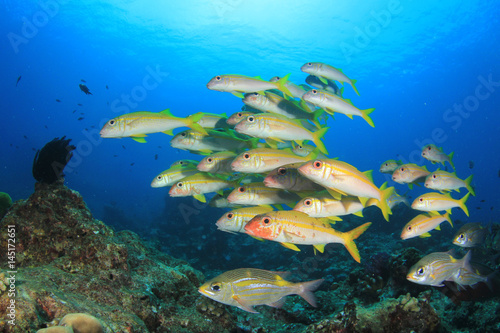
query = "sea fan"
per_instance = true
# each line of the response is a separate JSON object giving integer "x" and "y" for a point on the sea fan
{"x": 51, "y": 160}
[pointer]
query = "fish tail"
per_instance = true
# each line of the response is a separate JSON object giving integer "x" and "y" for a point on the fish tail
{"x": 352, "y": 83}
{"x": 383, "y": 203}
{"x": 462, "y": 205}
{"x": 281, "y": 85}
{"x": 193, "y": 120}
{"x": 450, "y": 157}
{"x": 316, "y": 115}
{"x": 448, "y": 218}
{"x": 306, "y": 289}
{"x": 317, "y": 139}
{"x": 349, "y": 238}
{"x": 365, "y": 114}
{"x": 467, "y": 185}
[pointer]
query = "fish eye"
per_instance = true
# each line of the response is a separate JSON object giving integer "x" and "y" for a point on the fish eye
{"x": 317, "y": 164}
{"x": 159, "y": 177}
{"x": 282, "y": 171}
{"x": 421, "y": 199}
{"x": 215, "y": 286}
{"x": 112, "y": 122}
{"x": 230, "y": 215}
{"x": 314, "y": 91}
{"x": 255, "y": 94}
{"x": 246, "y": 156}
{"x": 420, "y": 271}
{"x": 266, "y": 220}
{"x": 239, "y": 114}
{"x": 209, "y": 160}
{"x": 309, "y": 64}
{"x": 251, "y": 119}
{"x": 402, "y": 169}
{"x": 429, "y": 148}
{"x": 218, "y": 78}
{"x": 300, "y": 147}
{"x": 387, "y": 164}
{"x": 434, "y": 176}
{"x": 462, "y": 236}
{"x": 241, "y": 189}
{"x": 409, "y": 228}
{"x": 308, "y": 202}
{"x": 183, "y": 134}
{"x": 179, "y": 184}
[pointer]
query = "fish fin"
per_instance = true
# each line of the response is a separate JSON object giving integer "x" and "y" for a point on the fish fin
{"x": 360, "y": 213}
{"x": 363, "y": 201}
{"x": 243, "y": 305}
{"x": 467, "y": 182}
{"x": 365, "y": 114}
{"x": 317, "y": 139}
{"x": 438, "y": 228}
{"x": 282, "y": 274}
{"x": 238, "y": 94}
{"x": 220, "y": 192}
{"x": 462, "y": 203}
{"x": 291, "y": 246}
{"x": 349, "y": 116}
{"x": 466, "y": 261}
{"x": 278, "y": 304}
{"x": 263, "y": 93}
{"x": 200, "y": 197}
{"x": 320, "y": 247}
{"x": 281, "y": 86}
{"x": 322, "y": 79}
{"x": 425, "y": 235}
{"x": 448, "y": 218}
{"x": 337, "y": 195}
{"x": 410, "y": 186}
{"x": 169, "y": 132}
{"x": 278, "y": 206}
{"x": 334, "y": 218}
{"x": 383, "y": 202}
{"x": 167, "y": 112}
{"x": 305, "y": 290}
{"x": 139, "y": 139}
{"x": 312, "y": 155}
{"x": 353, "y": 85}
{"x": 369, "y": 175}
{"x": 257, "y": 238}
{"x": 450, "y": 157}
{"x": 352, "y": 235}
{"x": 192, "y": 121}
{"x": 371, "y": 202}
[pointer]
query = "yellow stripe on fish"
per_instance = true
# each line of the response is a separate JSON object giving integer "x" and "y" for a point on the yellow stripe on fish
{"x": 421, "y": 224}
{"x": 173, "y": 174}
{"x": 438, "y": 202}
{"x": 445, "y": 181}
{"x": 238, "y": 84}
{"x": 198, "y": 184}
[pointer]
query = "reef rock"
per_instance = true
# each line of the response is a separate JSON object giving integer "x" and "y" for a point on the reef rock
{"x": 68, "y": 262}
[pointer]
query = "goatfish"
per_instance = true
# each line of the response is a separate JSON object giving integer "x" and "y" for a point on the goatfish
{"x": 396, "y": 199}
{"x": 421, "y": 225}
{"x": 217, "y": 163}
{"x": 235, "y": 220}
{"x": 276, "y": 104}
{"x": 446, "y": 181}
{"x": 389, "y": 166}
{"x": 341, "y": 177}
{"x": 332, "y": 103}
{"x": 238, "y": 84}
{"x": 266, "y": 159}
{"x": 438, "y": 202}
{"x": 470, "y": 235}
{"x": 326, "y": 72}
{"x": 212, "y": 120}
{"x": 248, "y": 287}
{"x": 237, "y": 117}
{"x": 437, "y": 267}
{"x": 280, "y": 128}
{"x": 409, "y": 174}
{"x": 173, "y": 174}
{"x": 137, "y": 124}
{"x": 288, "y": 178}
{"x": 211, "y": 142}
{"x": 436, "y": 155}
{"x": 257, "y": 194}
{"x": 293, "y": 227}
{"x": 305, "y": 149}
{"x": 185, "y": 163}
{"x": 330, "y": 86}
{"x": 200, "y": 183}
{"x": 296, "y": 90}
{"x": 324, "y": 205}
{"x": 219, "y": 200}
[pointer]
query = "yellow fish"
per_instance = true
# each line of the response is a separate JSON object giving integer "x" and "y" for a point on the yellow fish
{"x": 198, "y": 184}
{"x": 173, "y": 174}
{"x": 257, "y": 194}
{"x": 185, "y": 162}
{"x": 421, "y": 224}
{"x": 438, "y": 202}
{"x": 288, "y": 178}
{"x": 238, "y": 84}
{"x": 266, "y": 159}
{"x": 324, "y": 205}
{"x": 410, "y": 173}
{"x": 211, "y": 142}
{"x": 237, "y": 117}
{"x": 446, "y": 181}
{"x": 326, "y": 72}
{"x": 248, "y": 287}
{"x": 235, "y": 220}
{"x": 389, "y": 166}
{"x": 436, "y": 155}
{"x": 217, "y": 163}
{"x": 292, "y": 227}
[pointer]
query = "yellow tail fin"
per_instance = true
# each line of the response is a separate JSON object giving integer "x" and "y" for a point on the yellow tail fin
{"x": 317, "y": 139}
{"x": 352, "y": 83}
{"x": 383, "y": 203}
{"x": 281, "y": 85}
{"x": 349, "y": 238}
{"x": 365, "y": 114}
{"x": 462, "y": 205}
{"x": 468, "y": 186}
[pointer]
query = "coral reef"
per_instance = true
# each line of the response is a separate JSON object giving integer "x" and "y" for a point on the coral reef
{"x": 50, "y": 161}
{"x": 5, "y": 203}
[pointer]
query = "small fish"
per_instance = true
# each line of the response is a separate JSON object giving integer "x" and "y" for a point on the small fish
{"x": 212, "y": 120}
{"x": 293, "y": 227}
{"x": 341, "y": 178}
{"x": 470, "y": 235}
{"x": 25, "y": 136}
{"x": 107, "y": 87}
{"x": 248, "y": 287}
{"x": 471, "y": 164}
{"x": 85, "y": 89}
{"x": 156, "y": 157}
{"x": 389, "y": 166}
{"x": 82, "y": 113}
{"x": 464, "y": 277}
{"x": 296, "y": 90}
{"x": 257, "y": 194}
{"x": 280, "y": 128}
{"x": 173, "y": 175}
{"x": 436, "y": 155}
{"x": 437, "y": 267}
{"x": 74, "y": 111}
{"x": 266, "y": 159}
{"x": 81, "y": 118}
{"x": 287, "y": 177}
{"x": 445, "y": 181}
{"x": 217, "y": 163}
{"x": 420, "y": 225}
{"x": 18, "y": 79}
{"x": 132, "y": 164}
{"x": 115, "y": 155}
{"x": 332, "y": 103}
{"x": 199, "y": 184}
{"x": 210, "y": 142}
{"x": 235, "y": 220}
{"x": 193, "y": 163}
{"x": 326, "y": 72}
{"x": 438, "y": 202}
{"x": 324, "y": 205}
{"x": 237, "y": 117}
{"x": 58, "y": 100}
{"x": 238, "y": 84}
{"x": 79, "y": 104}
{"x": 330, "y": 86}
{"x": 123, "y": 147}
{"x": 83, "y": 80}
{"x": 137, "y": 124}
{"x": 305, "y": 149}
{"x": 46, "y": 126}
{"x": 396, "y": 199}
{"x": 410, "y": 174}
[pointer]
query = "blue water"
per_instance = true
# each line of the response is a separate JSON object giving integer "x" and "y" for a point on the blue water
{"x": 413, "y": 60}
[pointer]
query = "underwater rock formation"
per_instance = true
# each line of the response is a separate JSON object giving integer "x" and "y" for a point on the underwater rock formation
{"x": 5, "y": 203}
{"x": 50, "y": 161}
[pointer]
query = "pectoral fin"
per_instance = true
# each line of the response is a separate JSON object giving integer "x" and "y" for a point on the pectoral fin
{"x": 243, "y": 305}
{"x": 291, "y": 246}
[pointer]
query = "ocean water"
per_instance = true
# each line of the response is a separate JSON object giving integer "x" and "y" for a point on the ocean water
{"x": 431, "y": 70}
